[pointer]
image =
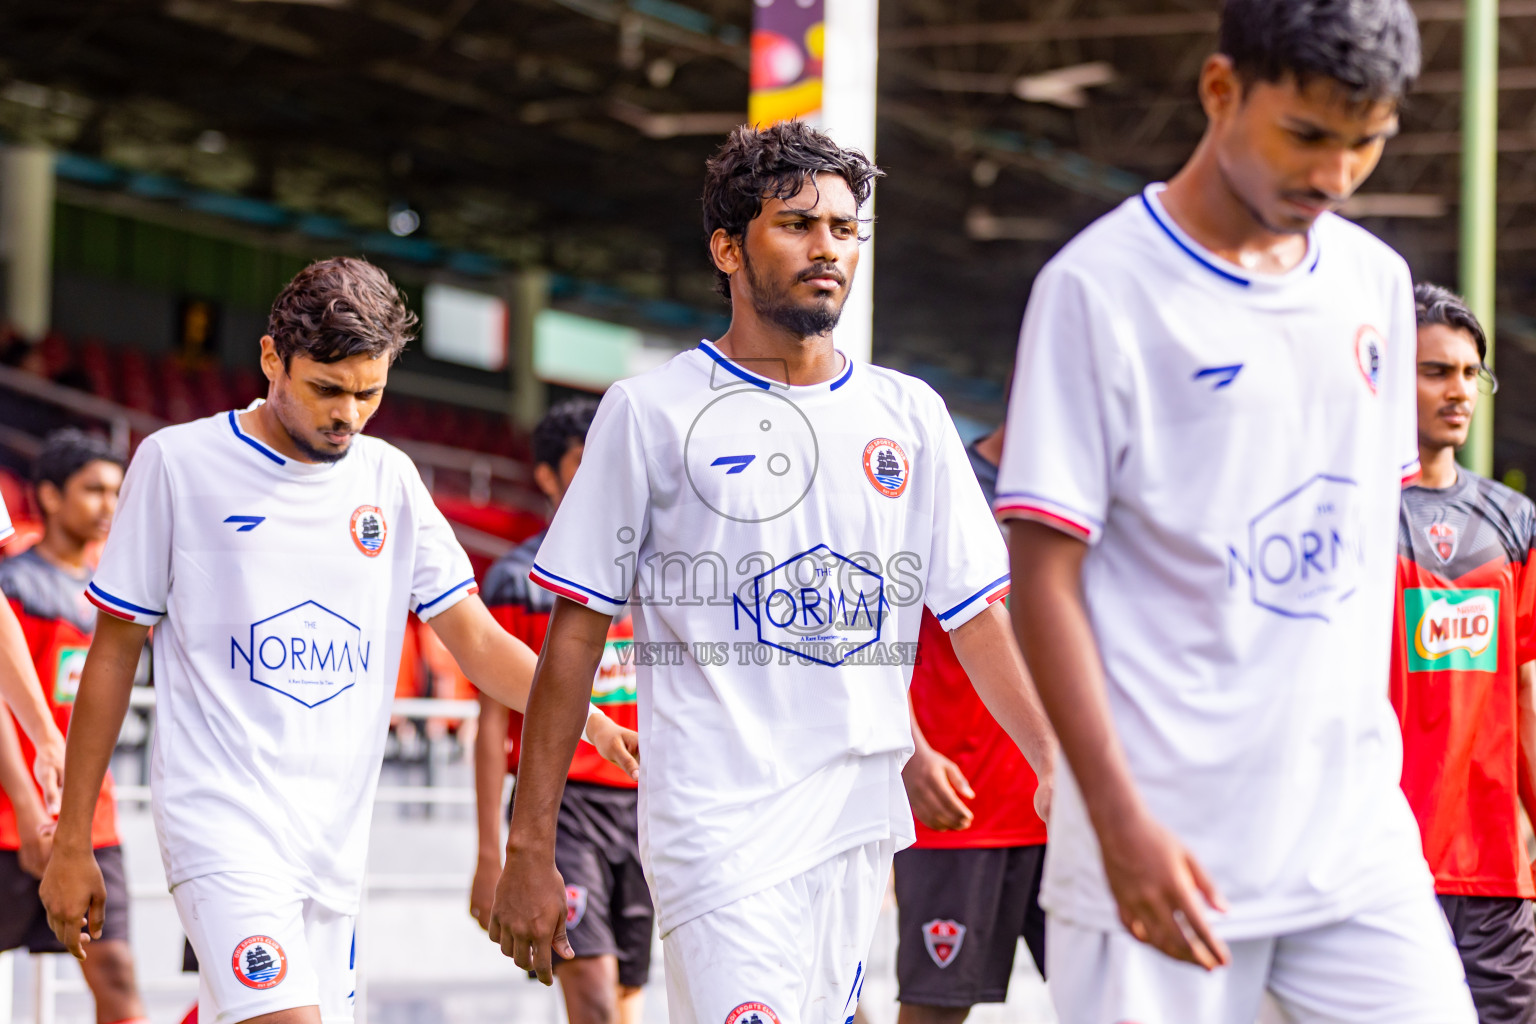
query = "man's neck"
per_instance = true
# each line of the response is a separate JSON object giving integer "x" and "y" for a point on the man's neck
{"x": 1200, "y": 200}
{"x": 262, "y": 423}
{"x": 1437, "y": 467}
{"x": 991, "y": 447}
{"x": 57, "y": 548}
{"x": 770, "y": 351}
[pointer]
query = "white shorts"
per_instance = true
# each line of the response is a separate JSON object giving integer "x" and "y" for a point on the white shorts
{"x": 791, "y": 954}
{"x": 1390, "y": 965}
{"x": 262, "y": 946}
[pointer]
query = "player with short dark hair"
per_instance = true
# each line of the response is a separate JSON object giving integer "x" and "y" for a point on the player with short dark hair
{"x": 77, "y": 477}
{"x": 278, "y": 551}
{"x": 1464, "y": 669}
{"x": 609, "y": 916}
{"x": 777, "y": 516}
{"x": 1213, "y": 414}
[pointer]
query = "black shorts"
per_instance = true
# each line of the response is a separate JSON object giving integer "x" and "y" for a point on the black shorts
{"x": 597, "y": 851}
{"x": 1496, "y": 937}
{"x": 24, "y": 922}
{"x": 959, "y": 916}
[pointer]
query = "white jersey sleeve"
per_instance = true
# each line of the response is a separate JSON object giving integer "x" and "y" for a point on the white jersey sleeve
{"x": 968, "y": 563}
{"x": 441, "y": 575}
{"x": 134, "y": 579}
{"x": 589, "y": 553}
{"x": 1067, "y": 424}
{"x": 6, "y": 529}
{"x": 1403, "y": 338}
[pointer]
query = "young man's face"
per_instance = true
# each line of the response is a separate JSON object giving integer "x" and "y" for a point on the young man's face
{"x": 323, "y": 405}
{"x": 797, "y": 258}
{"x": 1448, "y": 372}
{"x": 83, "y": 510}
{"x": 554, "y": 481}
{"x": 1292, "y": 153}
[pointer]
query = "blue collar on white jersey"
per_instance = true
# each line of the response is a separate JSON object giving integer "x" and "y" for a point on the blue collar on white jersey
{"x": 730, "y": 366}
{"x": 1225, "y": 271}
{"x": 234, "y": 424}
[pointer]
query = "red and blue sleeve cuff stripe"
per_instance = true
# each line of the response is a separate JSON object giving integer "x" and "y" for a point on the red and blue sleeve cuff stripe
{"x": 427, "y": 609}
{"x": 119, "y": 608}
{"x": 973, "y": 605}
{"x": 1051, "y": 513}
{"x": 570, "y": 589}
{"x": 7, "y": 532}
{"x": 1411, "y": 472}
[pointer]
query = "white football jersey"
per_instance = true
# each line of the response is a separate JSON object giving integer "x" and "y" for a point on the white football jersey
{"x": 780, "y": 543}
{"x": 1232, "y": 447}
{"x": 279, "y": 592}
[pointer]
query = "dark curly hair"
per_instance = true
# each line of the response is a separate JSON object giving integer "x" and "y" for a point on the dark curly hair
{"x": 565, "y": 424}
{"x": 338, "y": 308}
{"x": 1370, "y": 47}
{"x": 756, "y": 165}
{"x": 1436, "y": 304}
{"x": 68, "y": 451}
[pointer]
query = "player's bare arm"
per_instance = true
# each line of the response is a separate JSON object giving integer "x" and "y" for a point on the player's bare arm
{"x": 1525, "y": 697}
{"x": 490, "y": 771}
{"x": 1158, "y": 885}
{"x": 72, "y": 889}
{"x": 990, "y": 655}
{"x": 528, "y": 920}
{"x": 20, "y": 689}
{"x": 502, "y": 666}
{"x": 34, "y": 826}
{"x": 936, "y": 787}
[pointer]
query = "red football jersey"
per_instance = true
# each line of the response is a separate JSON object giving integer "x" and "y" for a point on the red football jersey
{"x": 57, "y": 622}
{"x": 524, "y": 611}
{"x": 1465, "y": 623}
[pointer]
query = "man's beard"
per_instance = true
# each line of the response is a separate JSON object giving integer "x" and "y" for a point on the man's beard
{"x": 310, "y": 452}
{"x": 775, "y": 306}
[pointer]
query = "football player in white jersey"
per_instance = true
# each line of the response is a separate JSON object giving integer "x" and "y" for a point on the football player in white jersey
{"x": 1212, "y": 416}
{"x": 278, "y": 551}
{"x": 781, "y": 516}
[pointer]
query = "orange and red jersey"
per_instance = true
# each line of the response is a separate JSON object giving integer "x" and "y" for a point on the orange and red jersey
{"x": 57, "y": 621}
{"x": 1465, "y": 623}
{"x": 959, "y": 726}
{"x": 524, "y": 610}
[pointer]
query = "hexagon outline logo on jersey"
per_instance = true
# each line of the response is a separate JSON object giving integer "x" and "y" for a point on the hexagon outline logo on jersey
{"x": 886, "y": 467}
{"x": 751, "y": 455}
{"x": 307, "y": 653}
{"x": 369, "y": 530}
{"x": 259, "y": 962}
{"x": 752, "y": 1013}
{"x": 815, "y": 607}
{"x": 1305, "y": 551}
{"x": 1442, "y": 538}
{"x": 575, "y": 905}
{"x": 1369, "y": 345}
{"x": 943, "y": 938}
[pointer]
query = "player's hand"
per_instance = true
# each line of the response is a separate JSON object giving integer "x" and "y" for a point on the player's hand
{"x": 935, "y": 786}
{"x": 528, "y": 918}
{"x": 48, "y": 769}
{"x": 35, "y": 847}
{"x": 482, "y": 891}
{"x": 75, "y": 896}
{"x": 617, "y": 744}
{"x": 1160, "y": 888}
{"x": 1045, "y": 789}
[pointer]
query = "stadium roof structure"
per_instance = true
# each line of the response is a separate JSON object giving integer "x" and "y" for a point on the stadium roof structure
{"x": 572, "y": 134}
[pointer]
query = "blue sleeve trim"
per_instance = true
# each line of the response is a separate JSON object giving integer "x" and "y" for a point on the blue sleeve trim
{"x": 616, "y": 601}
{"x": 980, "y": 593}
{"x": 269, "y": 453}
{"x": 451, "y": 590}
{"x": 120, "y": 602}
